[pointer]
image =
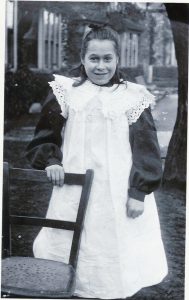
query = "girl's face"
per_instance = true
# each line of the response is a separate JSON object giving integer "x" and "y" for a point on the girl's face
{"x": 100, "y": 61}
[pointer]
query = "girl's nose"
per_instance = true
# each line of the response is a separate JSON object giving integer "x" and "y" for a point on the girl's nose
{"x": 100, "y": 65}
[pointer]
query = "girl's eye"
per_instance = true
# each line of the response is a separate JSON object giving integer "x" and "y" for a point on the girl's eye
{"x": 108, "y": 59}
{"x": 93, "y": 58}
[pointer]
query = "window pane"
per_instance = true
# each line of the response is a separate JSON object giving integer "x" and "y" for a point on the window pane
{"x": 9, "y": 15}
{"x": 9, "y": 22}
{"x": 45, "y": 20}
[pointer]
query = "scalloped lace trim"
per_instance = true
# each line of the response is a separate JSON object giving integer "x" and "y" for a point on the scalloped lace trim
{"x": 61, "y": 95}
{"x": 134, "y": 113}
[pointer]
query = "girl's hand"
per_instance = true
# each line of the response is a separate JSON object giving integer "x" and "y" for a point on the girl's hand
{"x": 55, "y": 174}
{"x": 135, "y": 208}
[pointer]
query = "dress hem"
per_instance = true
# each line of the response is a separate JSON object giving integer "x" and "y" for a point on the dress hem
{"x": 86, "y": 296}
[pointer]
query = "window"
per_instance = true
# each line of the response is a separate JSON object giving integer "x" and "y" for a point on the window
{"x": 170, "y": 59}
{"x": 11, "y": 35}
{"x": 41, "y": 46}
{"x": 129, "y": 49}
{"x": 50, "y": 40}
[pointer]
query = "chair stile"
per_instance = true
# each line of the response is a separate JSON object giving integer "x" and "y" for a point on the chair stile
{"x": 11, "y": 263}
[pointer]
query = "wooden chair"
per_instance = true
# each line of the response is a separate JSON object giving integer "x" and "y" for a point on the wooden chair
{"x": 32, "y": 277}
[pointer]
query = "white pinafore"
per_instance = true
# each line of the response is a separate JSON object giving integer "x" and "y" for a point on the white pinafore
{"x": 118, "y": 255}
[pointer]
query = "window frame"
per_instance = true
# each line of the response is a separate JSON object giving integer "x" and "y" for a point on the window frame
{"x": 129, "y": 45}
{"x": 49, "y": 41}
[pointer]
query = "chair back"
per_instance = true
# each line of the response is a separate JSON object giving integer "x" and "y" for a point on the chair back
{"x": 31, "y": 175}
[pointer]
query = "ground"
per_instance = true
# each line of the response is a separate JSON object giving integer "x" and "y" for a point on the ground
{"x": 171, "y": 203}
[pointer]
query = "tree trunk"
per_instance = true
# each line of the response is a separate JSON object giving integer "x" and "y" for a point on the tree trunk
{"x": 175, "y": 164}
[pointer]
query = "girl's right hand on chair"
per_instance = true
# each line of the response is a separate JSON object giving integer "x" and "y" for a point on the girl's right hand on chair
{"x": 55, "y": 174}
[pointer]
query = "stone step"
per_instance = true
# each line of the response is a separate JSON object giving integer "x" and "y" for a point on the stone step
{"x": 22, "y": 134}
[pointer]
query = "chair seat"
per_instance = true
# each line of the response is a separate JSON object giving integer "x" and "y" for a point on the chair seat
{"x": 34, "y": 277}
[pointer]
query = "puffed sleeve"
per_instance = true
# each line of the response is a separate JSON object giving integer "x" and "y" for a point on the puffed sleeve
{"x": 44, "y": 149}
{"x": 146, "y": 171}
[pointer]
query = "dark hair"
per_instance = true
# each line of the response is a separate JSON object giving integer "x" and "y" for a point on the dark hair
{"x": 100, "y": 32}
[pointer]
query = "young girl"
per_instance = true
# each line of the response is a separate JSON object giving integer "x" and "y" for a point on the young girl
{"x": 101, "y": 122}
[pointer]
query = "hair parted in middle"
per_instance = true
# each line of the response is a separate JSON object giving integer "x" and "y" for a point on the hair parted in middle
{"x": 99, "y": 32}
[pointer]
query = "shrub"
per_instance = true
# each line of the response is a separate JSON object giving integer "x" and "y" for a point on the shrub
{"x": 22, "y": 88}
{"x": 129, "y": 73}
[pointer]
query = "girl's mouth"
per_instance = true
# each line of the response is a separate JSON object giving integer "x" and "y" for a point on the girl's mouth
{"x": 100, "y": 74}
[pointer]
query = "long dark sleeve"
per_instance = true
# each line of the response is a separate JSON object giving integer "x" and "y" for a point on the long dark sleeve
{"x": 44, "y": 149}
{"x": 146, "y": 171}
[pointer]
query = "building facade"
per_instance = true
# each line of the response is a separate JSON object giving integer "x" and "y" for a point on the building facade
{"x": 47, "y": 37}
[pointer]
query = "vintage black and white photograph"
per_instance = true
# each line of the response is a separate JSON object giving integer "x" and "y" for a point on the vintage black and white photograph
{"x": 94, "y": 150}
